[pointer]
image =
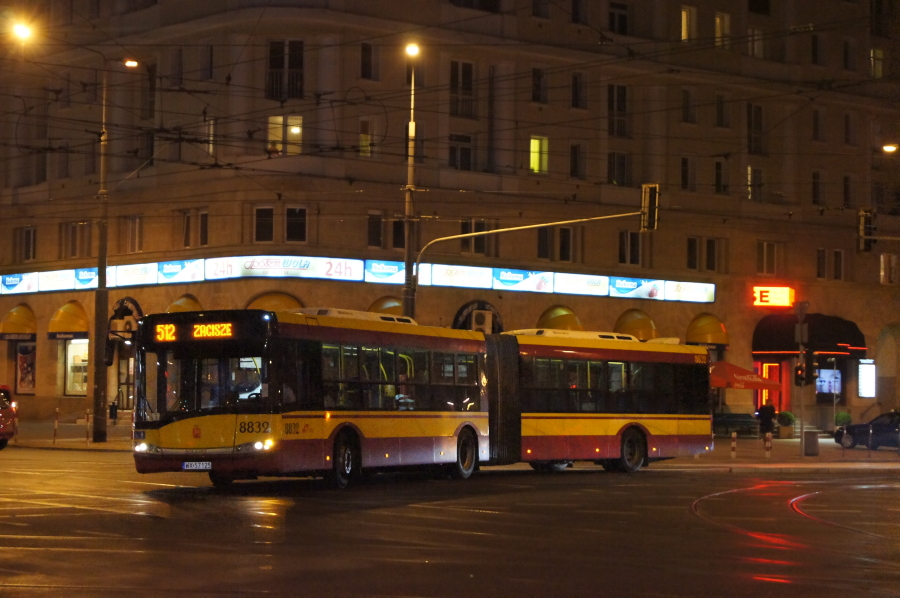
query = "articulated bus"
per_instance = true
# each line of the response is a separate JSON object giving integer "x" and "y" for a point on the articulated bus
{"x": 250, "y": 393}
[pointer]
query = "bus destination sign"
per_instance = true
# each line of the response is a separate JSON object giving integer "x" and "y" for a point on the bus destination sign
{"x": 166, "y": 333}
{"x": 218, "y": 330}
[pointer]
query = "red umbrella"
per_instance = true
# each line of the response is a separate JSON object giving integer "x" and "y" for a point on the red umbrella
{"x": 725, "y": 375}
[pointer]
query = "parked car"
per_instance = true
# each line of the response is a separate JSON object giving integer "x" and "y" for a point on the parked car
{"x": 7, "y": 416}
{"x": 881, "y": 431}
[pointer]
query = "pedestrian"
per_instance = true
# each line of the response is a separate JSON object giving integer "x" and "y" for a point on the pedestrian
{"x": 766, "y": 417}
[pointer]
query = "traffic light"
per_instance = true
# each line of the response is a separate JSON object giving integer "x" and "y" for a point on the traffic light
{"x": 649, "y": 206}
{"x": 800, "y": 375}
{"x": 865, "y": 229}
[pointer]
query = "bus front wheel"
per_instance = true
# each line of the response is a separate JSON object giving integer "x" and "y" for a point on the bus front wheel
{"x": 346, "y": 461}
{"x": 634, "y": 451}
{"x": 466, "y": 455}
{"x": 220, "y": 481}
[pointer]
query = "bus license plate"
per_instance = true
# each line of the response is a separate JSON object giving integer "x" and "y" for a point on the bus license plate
{"x": 196, "y": 466}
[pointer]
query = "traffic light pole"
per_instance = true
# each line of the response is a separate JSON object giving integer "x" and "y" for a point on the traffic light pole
{"x": 800, "y": 309}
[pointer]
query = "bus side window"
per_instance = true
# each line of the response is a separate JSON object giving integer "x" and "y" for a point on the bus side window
{"x": 597, "y": 386}
{"x": 467, "y": 398}
{"x": 443, "y": 379}
{"x": 618, "y": 387}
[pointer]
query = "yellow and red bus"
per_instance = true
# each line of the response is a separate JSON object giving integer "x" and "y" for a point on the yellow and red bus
{"x": 250, "y": 393}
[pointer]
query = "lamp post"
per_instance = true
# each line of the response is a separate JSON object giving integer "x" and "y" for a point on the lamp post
{"x": 409, "y": 292}
{"x": 833, "y": 392}
{"x": 101, "y": 295}
{"x": 801, "y": 337}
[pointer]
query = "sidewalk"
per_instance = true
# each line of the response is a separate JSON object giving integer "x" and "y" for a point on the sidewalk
{"x": 749, "y": 456}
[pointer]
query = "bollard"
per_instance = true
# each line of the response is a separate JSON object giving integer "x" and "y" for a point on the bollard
{"x": 16, "y": 423}
{"x": 733, "y": 445}
{"x": 87, "y": 426}
{"x": 55, "y": 425}
{"x": 768, "y": 445}
{"x": 869, "y": 444}
{"x": 132, "y": 422}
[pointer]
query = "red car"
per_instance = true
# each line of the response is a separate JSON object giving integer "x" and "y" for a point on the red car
{"x": 7, "y": 416}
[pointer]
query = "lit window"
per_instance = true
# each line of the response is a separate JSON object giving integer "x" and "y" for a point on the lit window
{"x": 723, "y": 30}
{"x": 285, "y": 135}
{"x": 539, "y": 154}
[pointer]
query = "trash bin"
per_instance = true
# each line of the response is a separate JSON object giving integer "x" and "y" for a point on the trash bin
{"x": 811, "y": 444}
{"x": 114, "y": 412}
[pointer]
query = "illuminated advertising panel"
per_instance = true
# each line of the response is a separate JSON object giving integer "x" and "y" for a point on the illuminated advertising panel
{"x": 385, "y": 272}
{"x": 136, "y": 274}
{"x": 86, "y": 278}
{"x": 637, "y": 288}
{"x": 280, "y": 266}
{"x": 866, "y": 377}
{"x": 470, "y": 277}
{"x": 14, "y": 284}
{"x": 522, "y": 280}
{"x": 696, "y": 292}
{"x": 773, "y": 296}
{"x": 58, "y": 280}
{"x": 580, "y": 284}
{"x": 180, "y": 271}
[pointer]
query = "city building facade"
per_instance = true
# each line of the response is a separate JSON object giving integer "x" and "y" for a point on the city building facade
{"x": 257, "y": 156}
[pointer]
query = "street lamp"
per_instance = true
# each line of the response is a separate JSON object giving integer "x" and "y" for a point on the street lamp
{"x": 101, "y": 295}
{"x": 409, "y": 292}
{"x": 22, "y": 31}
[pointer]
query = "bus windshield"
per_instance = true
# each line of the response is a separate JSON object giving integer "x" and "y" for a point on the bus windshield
{"x": 192, "y": 383}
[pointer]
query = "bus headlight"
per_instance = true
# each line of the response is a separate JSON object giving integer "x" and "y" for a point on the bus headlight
{"x": 143, "y": 447}
{"x": 258, "y": 446}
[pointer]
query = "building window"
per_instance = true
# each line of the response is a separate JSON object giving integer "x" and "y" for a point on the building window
{"x": 473, "y": 244}
{"x": 721, "y": 176}
{"x": 375, "y": 229}
{"x": 203, "y": 241}
{"x": 760, "y": 7}
{"x": 849, "y": 130}
{"x": 147, "y": 149}
{"x": 263, "y": 225}
{"x": 176, "y": 67}
{"x": 629, "y": 248}
{"x": 618, "y": 18}
{"x": 460, "y": 152}
{"x": 821, "y": 263}
{"x": 538, "y": 86}
{"x": 618, "y": 169}
{"x": 754, "y": 184}
{"x": 617, "y": 110}
{"x": 755, "y": 129}
{"x": 365, "y": 137}
{"x": 284, "y": 79}
{"x": 540, "y": 8}
{"x": 756, "y": 43}
{"x": 688, "y": 177}
{"x": 398, "y": 234}
{"x": 579, "y": 11}
{"x": 765, "y": 257}
{"x": 462, "y": 90}
{"x": 576, "y": 161}
{"x": 815, "y": 49}
{"x": 285, "y": 135}
{"x": 889, "y": 268}
{"x": 207, "y": 62}
{"x": 25, "y": 240}
{"x": 688, "y": 23}
{"x": 693, "y": 253}
{"x": 713, "y": 257}
{"x": 539, "y": 154}
{"x": 837, "y": 263}
{"x": 722, "y": 116}
{"x": 579, "y": 98}
{"x": 74, "y": 239}
{"x": 876, "y": 63}
{"x": 723, "y": 30}
{"x": 485, "y": 5}
{"x": 76, "y": 373}
{"x": 847, "y": 191}
{"x": 185, "y": 229}
{"x": 818, "y": 132}
{"x": 134, "y": 234}
{"x": 295, "y": 224}
{"x": 369, "y": 62}
{"x": 848, "y": 62}
{"x": 148, "y": 93}
{"x": 544, "y": 240}
{"x": 62, "y": 161}
{"x": 688, "y": 110}
{"x": 817, "y": 188}
{"x": 566, "y": 247}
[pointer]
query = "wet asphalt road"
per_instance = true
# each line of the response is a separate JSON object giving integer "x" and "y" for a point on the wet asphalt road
{"x": 85, "y": 524}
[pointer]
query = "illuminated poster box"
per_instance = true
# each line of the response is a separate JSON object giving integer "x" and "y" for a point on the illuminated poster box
{"x": 637, "y": 288}
{"x": 581, "y": 284}
{"x": 505, "y": 279}
{"x": 282, "y": 266}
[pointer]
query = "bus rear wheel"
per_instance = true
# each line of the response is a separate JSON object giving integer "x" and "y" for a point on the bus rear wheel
{"x": 466, "y": 455}
{"x": 346, "y": 461}
{"x": 549, "y": 466}
{"x": 634, "y": 451}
